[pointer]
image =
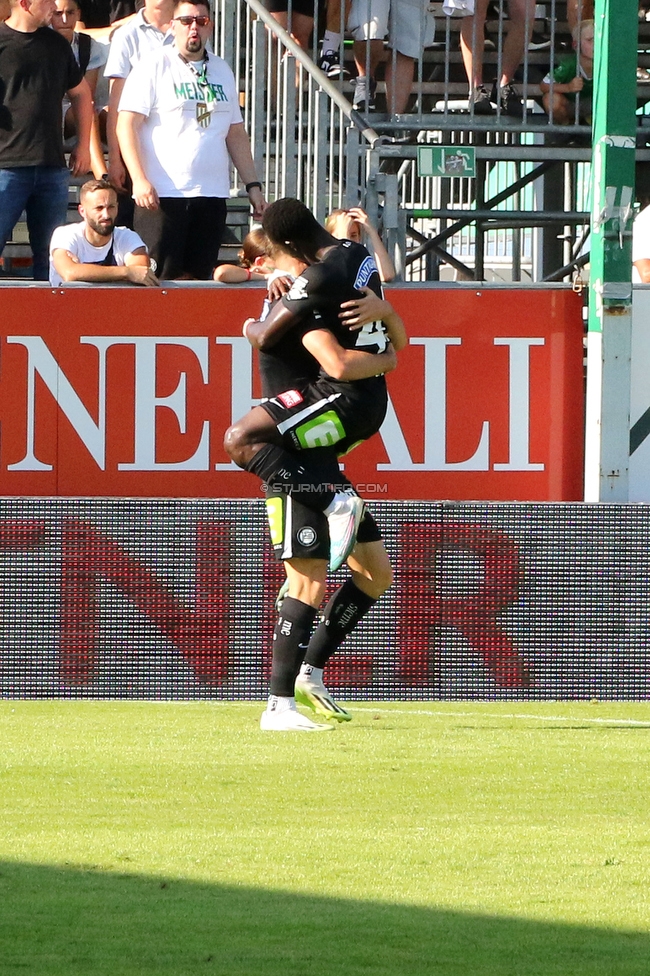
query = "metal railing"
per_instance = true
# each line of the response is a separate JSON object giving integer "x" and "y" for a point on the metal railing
{"x": 523, "y": 216}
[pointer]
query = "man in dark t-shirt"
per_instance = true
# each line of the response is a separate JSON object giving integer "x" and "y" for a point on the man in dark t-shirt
{"x": 37, "y": 68}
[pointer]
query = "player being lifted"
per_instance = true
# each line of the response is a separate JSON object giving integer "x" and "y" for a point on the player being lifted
{"x": 346, "y": 402}
{"x": 300, "y": 534}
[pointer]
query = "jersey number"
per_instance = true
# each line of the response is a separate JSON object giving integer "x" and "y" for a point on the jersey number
{"x": 373, "y": 334}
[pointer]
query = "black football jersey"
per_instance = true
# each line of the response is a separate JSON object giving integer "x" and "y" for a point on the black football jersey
{"x": 287, "y": 365}
{"x": 317, "y": 294}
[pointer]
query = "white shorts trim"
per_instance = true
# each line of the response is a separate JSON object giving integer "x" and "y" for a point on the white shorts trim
{"x": 297, "y": 418}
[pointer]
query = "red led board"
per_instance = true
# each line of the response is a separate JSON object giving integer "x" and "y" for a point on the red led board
{"x": 174, "y": 599}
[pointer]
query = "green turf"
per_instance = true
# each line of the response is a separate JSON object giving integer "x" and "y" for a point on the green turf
{"x": 450, "y": 839}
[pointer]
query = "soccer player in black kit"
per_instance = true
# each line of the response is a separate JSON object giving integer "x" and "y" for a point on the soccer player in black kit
{"x": 294, "y": 381}
{"x": 346, "y": 403}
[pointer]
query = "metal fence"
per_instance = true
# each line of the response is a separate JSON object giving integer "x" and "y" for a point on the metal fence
{"x": 523, "y": 216}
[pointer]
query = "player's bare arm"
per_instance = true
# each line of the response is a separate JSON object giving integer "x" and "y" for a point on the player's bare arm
{"x": 347, "y": 365}
{"x": 264, "y": 335}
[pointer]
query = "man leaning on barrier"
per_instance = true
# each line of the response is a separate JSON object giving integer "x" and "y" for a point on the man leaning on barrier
{"x": 95, "y": 250}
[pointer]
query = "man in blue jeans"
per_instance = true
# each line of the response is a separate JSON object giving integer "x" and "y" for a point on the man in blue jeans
{"x": 37, "y": 68}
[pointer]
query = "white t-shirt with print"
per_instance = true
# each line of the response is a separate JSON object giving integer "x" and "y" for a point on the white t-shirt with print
{"x": 71, "y": 237}
{"x": 183, "y": 138}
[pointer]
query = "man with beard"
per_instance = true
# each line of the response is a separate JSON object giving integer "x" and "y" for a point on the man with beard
{"x": 96, "y": 250}
{"x": 179, "y": 126}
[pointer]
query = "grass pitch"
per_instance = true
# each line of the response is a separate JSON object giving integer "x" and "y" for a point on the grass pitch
{"x": 424, "y": 838}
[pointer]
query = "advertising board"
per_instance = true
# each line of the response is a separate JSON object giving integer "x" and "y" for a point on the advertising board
{"x": 128, "y": 392}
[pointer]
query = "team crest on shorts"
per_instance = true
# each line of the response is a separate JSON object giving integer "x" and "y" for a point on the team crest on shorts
{"x": 307, "y": 536}
{"x": 290, "y": 398}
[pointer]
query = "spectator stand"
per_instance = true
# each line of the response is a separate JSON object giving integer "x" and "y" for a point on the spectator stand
{"x": 523, "y": 216}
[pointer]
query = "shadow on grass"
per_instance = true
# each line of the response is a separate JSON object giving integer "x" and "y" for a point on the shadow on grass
{"x": 58, "y": 921}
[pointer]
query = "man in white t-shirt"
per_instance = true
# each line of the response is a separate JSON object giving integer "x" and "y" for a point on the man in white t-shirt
{"x": 96, "y": 250}
{"x": 143, "y": 35}
{"x": 179, "y": 125}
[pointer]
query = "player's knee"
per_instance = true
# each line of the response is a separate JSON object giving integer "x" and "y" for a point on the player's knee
{"x": 308, "y": 591}
{"x": 307, "y": 579}
{"x": 375, "y": 584}
{"x": 382, "y": 579}
{"x": 233, "y": 443}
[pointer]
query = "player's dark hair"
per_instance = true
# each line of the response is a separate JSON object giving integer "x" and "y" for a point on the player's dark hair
{"x": 289, "y": 223}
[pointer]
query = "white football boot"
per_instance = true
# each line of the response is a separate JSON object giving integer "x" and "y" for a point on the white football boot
{"x": 282, "y": 717}
{"x": 311, "y": 691}
{"x": 344, "y": 514}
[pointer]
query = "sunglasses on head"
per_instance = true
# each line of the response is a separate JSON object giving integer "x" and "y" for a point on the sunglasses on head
{"x": 201, "y": 20}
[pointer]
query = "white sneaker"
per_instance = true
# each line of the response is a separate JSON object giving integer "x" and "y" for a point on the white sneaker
{"x": 315, "y": 695}
{"x": 289, "y": 720}
{"x": 344, "y": 514}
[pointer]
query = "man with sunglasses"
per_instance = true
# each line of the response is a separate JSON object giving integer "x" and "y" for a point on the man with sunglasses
{"x": 179, "y": 125}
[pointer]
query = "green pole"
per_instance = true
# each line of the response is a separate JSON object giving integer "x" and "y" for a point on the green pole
{"x": 610, "y": 284}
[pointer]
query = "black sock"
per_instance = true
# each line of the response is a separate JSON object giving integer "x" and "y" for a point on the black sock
{"x": 342, "y": 614}
{"x": 284, "y": 472}
{"x": 290, "y": 640}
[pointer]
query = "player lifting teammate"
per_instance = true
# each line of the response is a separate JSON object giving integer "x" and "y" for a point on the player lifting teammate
{"x": 346, "y": 402}
{"x": 300, "y": 534}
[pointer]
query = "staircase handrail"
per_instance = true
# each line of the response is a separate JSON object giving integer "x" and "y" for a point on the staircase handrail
{"x": 316, "y": 74}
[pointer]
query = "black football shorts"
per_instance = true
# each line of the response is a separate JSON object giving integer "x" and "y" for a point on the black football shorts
{"x": 298, "y": 532}
{"x": 322, "y": 415}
